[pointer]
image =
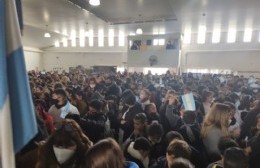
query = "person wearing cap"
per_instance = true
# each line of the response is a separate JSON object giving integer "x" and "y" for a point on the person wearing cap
{"x": 61, "y": 107}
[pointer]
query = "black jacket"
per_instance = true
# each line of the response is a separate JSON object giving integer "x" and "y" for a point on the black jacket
{"x": 94, "y": 126}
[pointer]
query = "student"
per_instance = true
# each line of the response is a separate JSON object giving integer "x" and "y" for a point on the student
{"x": 235, "y": 158}
{"x": 65, "y": 147}
{"x": 61, "y": 106}
{"x": 107, "y": 154}
{"x": 224, "y": 144}
{"x": 181, "y": 163}
{"x": 214, "y": 127}
{"x": 151, "y": 113}
{"x": 138, "y": 152}
{"x": 94, "y": 121}
{"x": 253, "y": 150}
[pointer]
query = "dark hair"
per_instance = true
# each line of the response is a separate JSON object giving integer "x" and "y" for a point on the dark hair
{"x": 105, "y": 154}
{"x": 172, "y": 135}
{"x": 189, "y": 117}
{"x": 235, "y": 158}
{"x": 142, "y": 143}
{"x": 181, "y": 163}
{"x": 206, "y": 94}
{"x": 60, "y": 92}
{"x": 140, "y": 117}
{"x": 179, "y": 148}
{"x": 96, "y": 104}
{"x": 130, "y": 99}
{"x": 155, "y": 130}
{"x": 225, "y": 143}
{"x": 58, "y": 86}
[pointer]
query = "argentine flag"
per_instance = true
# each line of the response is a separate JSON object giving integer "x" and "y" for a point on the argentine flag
{"x": 17, "y": 118}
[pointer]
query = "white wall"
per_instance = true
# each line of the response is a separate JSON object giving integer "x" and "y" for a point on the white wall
{"x": 33, "y": 58}
{"x": 72, "y": 59}
{"x": 240, "y": 57}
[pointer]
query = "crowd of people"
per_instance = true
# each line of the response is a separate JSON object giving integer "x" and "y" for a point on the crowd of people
{"x": 131, "y": 120}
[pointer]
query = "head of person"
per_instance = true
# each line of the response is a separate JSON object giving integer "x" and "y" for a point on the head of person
{"x": 207, "y": 96}
{"x": 171, "y": 94}
{"x": 95, "y": 106}
{"x": 68, "y": 141}
{"x": 187, "y": 90}
{"x": 109, "y": 80}
{"x": 172, "y": 135}
{"x": 58, "y": 86}
{"x": 140, "y": 122}
{"x": 217, "y": 117}
{"x": 143, "y": 146}
{"x": 181, "y": 163}
{"x": 92, "y": 83}
{"x": 155, "y": 133}
{"x": 177, "y": 149}
{"x": 144, "y": 95}
{"x": 244, "y": 103}
{"x": 150, "y": 108}
{"x": 105, "y": 154}
{"x": 59, "y": 96}
{"x": 234, "y": 130}
{"x": 130, "y": 100}
{"x": 189, "y": 117}
{"x": 224, "y": 144}
{"x": 235, "y": 157}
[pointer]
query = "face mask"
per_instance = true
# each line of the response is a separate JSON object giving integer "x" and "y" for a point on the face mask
{"x": 92, "y": 86}
{"x": 63, "y": 154}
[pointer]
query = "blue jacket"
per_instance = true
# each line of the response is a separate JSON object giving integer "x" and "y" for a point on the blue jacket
{"x": 131, "y": 165}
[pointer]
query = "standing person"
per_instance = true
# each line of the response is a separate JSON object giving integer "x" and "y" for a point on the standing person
{"x": 65, "y": 148}
{"x": 207, "y": 99}
{"x": 214, "y": 127}
{"x": 61, "y": 106}
{"x": 107, "y": 154}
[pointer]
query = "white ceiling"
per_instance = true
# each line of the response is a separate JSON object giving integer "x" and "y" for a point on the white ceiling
{"x": 62, "y": 17}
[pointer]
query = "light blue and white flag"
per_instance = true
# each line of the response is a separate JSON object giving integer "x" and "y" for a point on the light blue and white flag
{"x": 188, "y": 102}
{"x": 17, "y": 118}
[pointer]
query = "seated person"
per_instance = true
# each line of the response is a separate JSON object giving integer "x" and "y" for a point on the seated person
{"x": 65, "y": 147}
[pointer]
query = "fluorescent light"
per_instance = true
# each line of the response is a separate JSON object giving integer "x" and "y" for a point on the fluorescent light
{"x": 111, "y": 37}
{"x": 57, "y": 44}
{"x": 139, "y": 31}
{"x": 131, "y": 34}
{"x": 82, "y": 38}
{"x": 248, "y": 35}
{"x": 187, "y": 36}
{"x": 65, "y": 42}
{"x": 121, "y": 39}
{"x": 94, "y": 2}
{"x": 216, "y": 36}
{"x": 91, "y": 38}
{"x": 231, "y": 36}
{"x": 201, "y": 35}
{"x": 161, "y": 42}
{"x": 47, "y": 35}
{"x": 101, "y": 38}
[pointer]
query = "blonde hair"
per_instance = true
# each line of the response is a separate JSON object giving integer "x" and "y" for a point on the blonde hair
{"x": 217, "y": 117}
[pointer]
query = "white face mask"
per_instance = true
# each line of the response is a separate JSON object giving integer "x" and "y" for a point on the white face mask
{"x": 63, "y": 154}
{"x": 92, "y": 86}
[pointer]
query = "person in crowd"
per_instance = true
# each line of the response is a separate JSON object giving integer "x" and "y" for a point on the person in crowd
{"x": 81, "y": 103}
{"x": 144, "y": 98}
{"x": 214, "y": 127}
{"x": 155, "y": 136}
{"x": 65, "y": 147}
{"x": 207, "y": 98}
{"x": 170, "y": 116}
{"x": 223, "y": 145}
{"x": 181, "y": 163}
{"x": 140, "y": 124}
{"x": 126, "y": 121}
{"x": 253, "y": 150}
{"x": 151, "y": 113}
{"x": 93, "y": 123}
{"x": 256, "y": 130}
{"x": 107, "y": 154}
{"x": 138, "y": 152}
{"x": 61, "y": 106}
{"x": 176, "y": 149}
{"x": 235, "y": 157}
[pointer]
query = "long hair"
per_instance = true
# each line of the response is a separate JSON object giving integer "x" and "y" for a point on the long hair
{"x": 67, "y": 134}
{"x": 105, "y": 154}
{"x": 217, "y": 117}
